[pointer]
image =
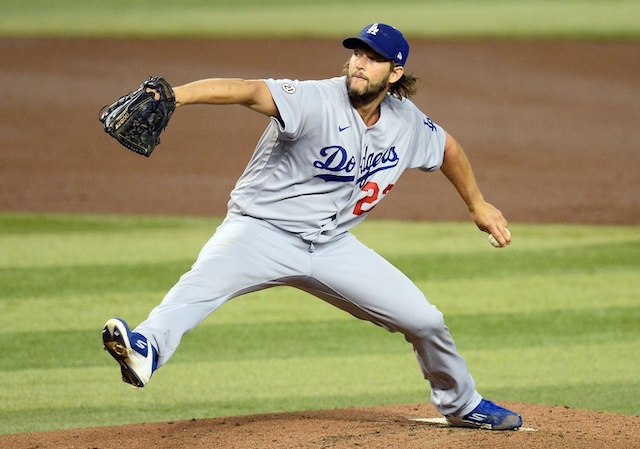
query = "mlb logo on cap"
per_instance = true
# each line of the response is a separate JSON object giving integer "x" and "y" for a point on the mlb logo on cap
{"x": 384, "y": 39}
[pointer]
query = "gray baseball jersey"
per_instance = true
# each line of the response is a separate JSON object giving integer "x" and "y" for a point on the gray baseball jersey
{"x": 319, "y": 170}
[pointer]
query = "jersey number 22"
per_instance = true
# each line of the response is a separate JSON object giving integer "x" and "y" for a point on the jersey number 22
{"x": 373, "y": 196}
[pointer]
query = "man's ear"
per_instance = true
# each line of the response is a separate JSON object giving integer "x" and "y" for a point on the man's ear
{"x": 396, "y": 74}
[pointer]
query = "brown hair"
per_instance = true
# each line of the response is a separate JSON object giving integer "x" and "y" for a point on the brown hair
{"x": 405, "y": 87}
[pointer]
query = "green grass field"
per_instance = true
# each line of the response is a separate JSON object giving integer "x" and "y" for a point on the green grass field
{"x": 617, "y": 19}
{"x": 552, "y": 319}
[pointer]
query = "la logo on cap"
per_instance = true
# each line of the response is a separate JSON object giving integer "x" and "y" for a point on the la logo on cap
{"x": 373, "y": 29}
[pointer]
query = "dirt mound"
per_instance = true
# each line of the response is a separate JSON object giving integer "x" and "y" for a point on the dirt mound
{"x": 372, "y": 427}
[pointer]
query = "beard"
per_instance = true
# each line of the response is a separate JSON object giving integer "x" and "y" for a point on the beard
{"x": 365, "y": 95}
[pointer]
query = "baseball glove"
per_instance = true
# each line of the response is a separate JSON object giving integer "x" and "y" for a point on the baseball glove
{"x": 137, "y": 119}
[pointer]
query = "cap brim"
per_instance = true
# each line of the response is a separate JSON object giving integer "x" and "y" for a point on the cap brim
{"x": 354, "y": 42}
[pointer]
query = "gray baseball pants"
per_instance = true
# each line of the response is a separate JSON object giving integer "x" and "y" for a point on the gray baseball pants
{"x": 247, "y": 254}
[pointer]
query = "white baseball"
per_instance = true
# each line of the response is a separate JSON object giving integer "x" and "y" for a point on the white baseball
{"x": 493, "y": 240}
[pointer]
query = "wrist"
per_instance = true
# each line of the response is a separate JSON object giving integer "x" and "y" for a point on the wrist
{"x": 476, "y": 204}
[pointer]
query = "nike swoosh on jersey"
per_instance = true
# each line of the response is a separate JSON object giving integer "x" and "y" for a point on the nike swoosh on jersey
{"x": 342, "y": 128}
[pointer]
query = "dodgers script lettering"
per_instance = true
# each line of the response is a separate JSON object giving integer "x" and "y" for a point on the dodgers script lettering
{"x": 337, "y": 161}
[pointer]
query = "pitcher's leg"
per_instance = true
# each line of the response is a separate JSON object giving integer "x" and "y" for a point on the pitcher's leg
{"x": 355, "y": 278}
{"x": 243, "y": 255}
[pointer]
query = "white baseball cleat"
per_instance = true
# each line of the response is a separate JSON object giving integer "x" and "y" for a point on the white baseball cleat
{"x": 138, "y": 358}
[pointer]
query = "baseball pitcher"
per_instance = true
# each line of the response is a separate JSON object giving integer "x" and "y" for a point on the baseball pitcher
{"x": 333, "y": 149}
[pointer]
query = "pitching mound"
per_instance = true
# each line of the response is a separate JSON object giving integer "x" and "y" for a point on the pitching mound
{"x": 402, "y": 427}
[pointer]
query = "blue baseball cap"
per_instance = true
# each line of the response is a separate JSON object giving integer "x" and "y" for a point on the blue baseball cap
{"x": 384, "y": 40}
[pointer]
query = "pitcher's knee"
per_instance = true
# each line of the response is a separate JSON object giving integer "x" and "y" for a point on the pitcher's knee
{"x": 428, "y": 323}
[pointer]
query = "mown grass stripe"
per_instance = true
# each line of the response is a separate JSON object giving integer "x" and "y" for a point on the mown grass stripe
{"x": 546, "y": 328}
{"x": 588, "y": 258}
{"x": 284, "y": 305}
{"x": 46, "y": 282}
{"x": 25, "y": 224}
{"x": 223, "y": 342}
{"x": 616, "y": 397}
{"x": 124, "y": 277}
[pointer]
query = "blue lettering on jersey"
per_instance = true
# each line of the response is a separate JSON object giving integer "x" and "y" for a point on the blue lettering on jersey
{"x": 336, "y": 160}
{"x": 429, "y": 123}
{"x": 372, "y": 163}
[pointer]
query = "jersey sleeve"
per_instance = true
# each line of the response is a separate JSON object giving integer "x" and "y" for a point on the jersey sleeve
{"x": 425, "y": 139}
{"x": 433, "y": 146}
{"x": 297, "y": 103}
